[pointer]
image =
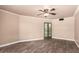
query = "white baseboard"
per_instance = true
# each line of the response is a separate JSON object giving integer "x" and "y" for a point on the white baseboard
{"x": 77, "y": 44}
{"x": 64, "y": 39}
{"x": 23, "y": 40}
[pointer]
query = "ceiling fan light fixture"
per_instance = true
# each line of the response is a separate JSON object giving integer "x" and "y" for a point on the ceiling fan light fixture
{"x": 46, "y": 14}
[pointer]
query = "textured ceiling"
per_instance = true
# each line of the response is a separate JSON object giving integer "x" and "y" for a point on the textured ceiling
{"x": 32, "y": 10}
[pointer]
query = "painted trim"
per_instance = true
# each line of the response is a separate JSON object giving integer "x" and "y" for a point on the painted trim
{"x": 63, "y": 39}
{"x": 7, "y": 44}
{"x": 23, "y": 40}
{"x": 8, "y": 12}
{"x": 76, "y": 11}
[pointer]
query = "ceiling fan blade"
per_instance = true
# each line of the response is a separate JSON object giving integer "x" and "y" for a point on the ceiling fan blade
{"x": 40, "y": 14}
{"x": 41, "y": 10}
{"x": 53, "y": 9}
{"x": 52, "y": 13}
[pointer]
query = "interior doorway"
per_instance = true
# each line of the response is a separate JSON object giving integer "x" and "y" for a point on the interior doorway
{"x": 47, "y": 30}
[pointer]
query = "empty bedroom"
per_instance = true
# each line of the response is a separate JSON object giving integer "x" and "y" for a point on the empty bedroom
{"x": 39, "y": 29}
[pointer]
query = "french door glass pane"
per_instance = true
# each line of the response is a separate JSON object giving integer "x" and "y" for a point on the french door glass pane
{"x": 50, "y": 31}
{"x": 47, "y": 29}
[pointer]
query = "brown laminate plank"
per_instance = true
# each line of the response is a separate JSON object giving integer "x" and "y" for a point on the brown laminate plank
{"x": 42, "y": 46}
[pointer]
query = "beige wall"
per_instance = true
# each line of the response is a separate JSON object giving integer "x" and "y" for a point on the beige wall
{"x": 63, "y": 29}
{"x": 8, "y": 27}
{"x": 77, "y": 28}
{"x": 32, "y": 28}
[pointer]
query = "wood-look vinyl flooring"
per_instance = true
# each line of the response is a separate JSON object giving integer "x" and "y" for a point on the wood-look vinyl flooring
{"x": 42, "y": 46}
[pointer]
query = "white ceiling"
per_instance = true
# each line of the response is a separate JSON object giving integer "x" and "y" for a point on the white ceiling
{"x": 32, "y": 10}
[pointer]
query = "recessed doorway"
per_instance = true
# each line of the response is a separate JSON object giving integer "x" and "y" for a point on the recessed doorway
{"x": 47, "y": 30}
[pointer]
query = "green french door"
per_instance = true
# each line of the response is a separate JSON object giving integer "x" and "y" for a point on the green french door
{"x": 47, "y": 30}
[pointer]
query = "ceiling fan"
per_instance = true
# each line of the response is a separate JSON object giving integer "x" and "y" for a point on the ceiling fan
{"x": 47, "y": 12}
